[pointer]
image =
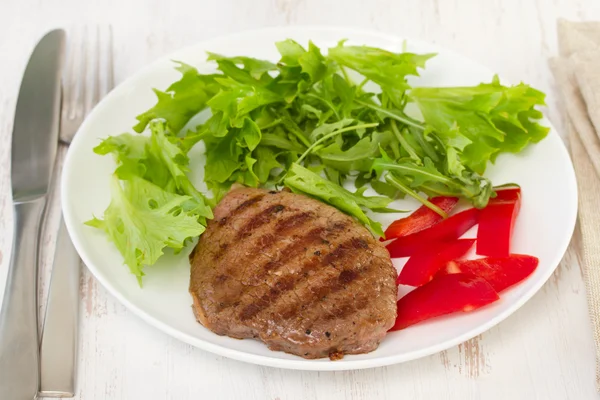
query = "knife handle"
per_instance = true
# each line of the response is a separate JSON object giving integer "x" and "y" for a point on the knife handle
{"x": 19, "y": 376}
{"x": 58, "y": 351}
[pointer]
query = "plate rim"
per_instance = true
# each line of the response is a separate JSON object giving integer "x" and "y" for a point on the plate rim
{"x": 300, "y": 363}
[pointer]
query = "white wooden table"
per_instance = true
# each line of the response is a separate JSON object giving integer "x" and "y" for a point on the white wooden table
{"x": 544, "y": 350}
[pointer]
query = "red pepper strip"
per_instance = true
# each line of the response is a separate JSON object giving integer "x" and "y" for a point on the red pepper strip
{"x": 449, "y": 229}
{"x": 443, "y": 295}
{"x": 422, "y": 266}
{"x": 422, "y": 218}
{"x": 512, "y": 194}
{"x": 500, "y": 272}
{"x": 496, "y": 223}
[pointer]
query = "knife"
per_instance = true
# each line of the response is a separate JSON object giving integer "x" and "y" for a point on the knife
{"x": 34, "y": 143}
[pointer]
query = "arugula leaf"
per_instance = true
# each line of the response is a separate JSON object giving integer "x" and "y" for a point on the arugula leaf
{"x": 311, "y": 62}
{"x": 255, "y": 67}
{"x": 256, "y": 98}
{"x": 142, "y": 219}
{"x": 281, "y": 142}
{"x": 232, "y": 104}
{"x": 429, "y": 179}
{"x": 249, "y": 177}
{"x": 222, "y": 158}
{"x": 387, "y": 69}
{"x": 182, "y": 100}
{"x": 302, "y": 180}
{"x": 346, "y": 93}
{"x": 326, "y": 129}
{"x": 385, "y": 189}
{"x": 250, "y": 133}
{"x": 358, "y": 157}
{"x": 484, "y": 120}
{"x": 290, "y": 51}
{"x": 266, "y": 161}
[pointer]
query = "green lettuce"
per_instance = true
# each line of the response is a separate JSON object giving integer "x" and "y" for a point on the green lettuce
{"x": 483, "y": 121}
{"x": 304, "y": 122}
{"x": 142, "y": 219}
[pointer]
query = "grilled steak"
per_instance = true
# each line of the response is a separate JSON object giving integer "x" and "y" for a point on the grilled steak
{"x": 293, "y": 272}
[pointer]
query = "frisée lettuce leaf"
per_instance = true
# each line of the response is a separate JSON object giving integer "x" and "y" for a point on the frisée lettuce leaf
{"x": 142, "y": 219}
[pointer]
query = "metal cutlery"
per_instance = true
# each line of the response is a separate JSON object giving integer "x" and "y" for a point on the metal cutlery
{"x": 58, "y": 351}
{"x": 34, "y": 144}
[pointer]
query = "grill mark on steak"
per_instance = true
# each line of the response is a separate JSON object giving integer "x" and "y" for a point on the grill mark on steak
{"x": 281, "y": 286}
{"x": 283, "y": 227}
{"x": 288, "y": 252}
{"x": 222, "y": 249}
{"x": 288, "y": 282}
{"x": 266, "y": 241}
{"x": 343, "y": 281}
{"x": 329, "y": 287}
{"x": 312, "y": 237}
{"x": 340, "y": 251}
{"x": 347, "y": 276}
{"x": 350, "y": 306}
{"x": 294, "y": 249}
{"x": 259, "y": 220}
{"x": 294, "y": 221}
{"x": 239, "y": 209}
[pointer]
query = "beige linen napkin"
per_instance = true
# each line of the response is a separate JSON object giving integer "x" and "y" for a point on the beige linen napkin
{"x": 577, "y": 72}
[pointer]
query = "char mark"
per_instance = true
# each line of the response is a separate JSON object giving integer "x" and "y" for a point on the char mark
{"x": 260, "y": 219}
{"x": 294, "y": 221}
{"x": 281, "y": 286}
{"x": 288, "y": 282}
{"x": 350, "y": 305}
{"x": 239, "y": 209}
{"x": 348, "y": 252}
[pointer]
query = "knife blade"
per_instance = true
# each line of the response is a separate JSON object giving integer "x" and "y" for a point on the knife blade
{"x": 58, "y": 348}
{"x": 34, "y": 144}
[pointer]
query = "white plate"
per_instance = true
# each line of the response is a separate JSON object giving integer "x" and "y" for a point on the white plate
{"x": 544, "y": 227}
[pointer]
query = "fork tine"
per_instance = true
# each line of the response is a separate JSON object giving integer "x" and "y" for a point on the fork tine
{"x": 80, "y": 77}
{"x": 110, "y": 78}
{"x": 96, "y": 78}
{"x": 90, "y": 62}
{"x": 74, "y": 87}
{"x": 69, "y": 75}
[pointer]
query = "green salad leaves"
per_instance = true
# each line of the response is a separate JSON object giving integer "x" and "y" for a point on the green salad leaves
{"x": 314, "y": 122}
{"x": 482, "y": 121}
{"x": 154, "y": 205}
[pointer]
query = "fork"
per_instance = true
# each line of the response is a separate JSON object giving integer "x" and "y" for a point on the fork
{"x": 58, "y": 350}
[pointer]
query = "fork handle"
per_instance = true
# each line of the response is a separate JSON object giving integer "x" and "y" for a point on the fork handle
{"x": 58, "y": 352}
{"x": 19, "y": 345}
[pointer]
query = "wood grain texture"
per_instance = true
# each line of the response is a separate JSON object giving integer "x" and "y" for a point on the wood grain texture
{"x": 543, "y": 351}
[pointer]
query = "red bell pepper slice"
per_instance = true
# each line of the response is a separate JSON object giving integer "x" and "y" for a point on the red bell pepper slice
{"x": 496, "y": 223}
{"x": 423, "y": 218}
{"x": 422, "y": 266}
{"x": 449, "y": 229}
{"x": 444, "y": 295}
{"x": 508, "y": 194}
{"x": 500, "y": 272}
